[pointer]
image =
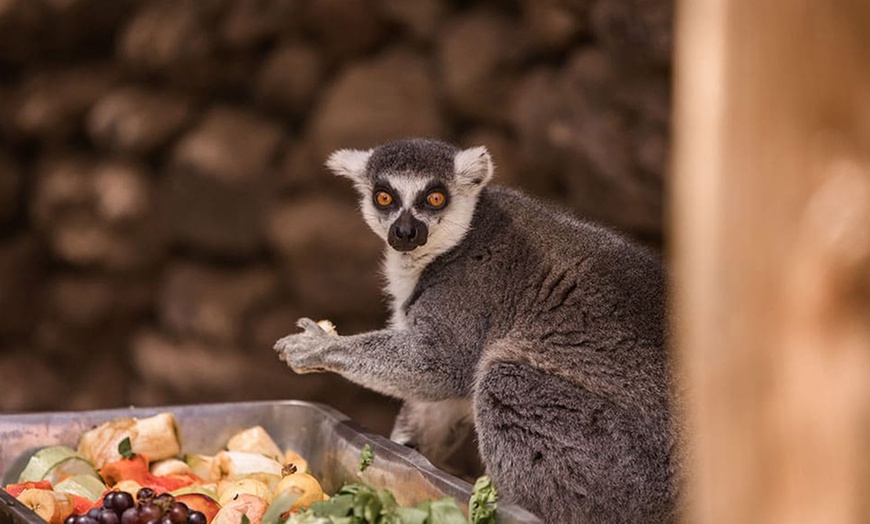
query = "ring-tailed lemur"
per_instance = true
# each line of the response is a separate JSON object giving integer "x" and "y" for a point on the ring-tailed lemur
{"x": 545, "y": 332}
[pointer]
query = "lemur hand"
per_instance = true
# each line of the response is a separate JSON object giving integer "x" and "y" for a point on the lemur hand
{"x": 304, "y": 352}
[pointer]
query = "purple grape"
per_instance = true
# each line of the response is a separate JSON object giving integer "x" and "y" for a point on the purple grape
{"x": 70, "y": 520}
{"x": 130, "y": 516}
{"x": 177, "y": 513}
{"x": 144, "y": 494}
{"x": 108, "y": 516}
{"x": 148, "y": 512}
{"x": 121, "y": 501}
{"x": 196, "y": 517}
{"x": 85, "y": 519}
{"x": 94, "y": 512}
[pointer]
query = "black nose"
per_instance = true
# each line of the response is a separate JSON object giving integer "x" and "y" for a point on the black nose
{"x": 407, "y": 232}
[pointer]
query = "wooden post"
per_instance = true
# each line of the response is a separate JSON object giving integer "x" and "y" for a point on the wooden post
{"x": 771, "y": 258}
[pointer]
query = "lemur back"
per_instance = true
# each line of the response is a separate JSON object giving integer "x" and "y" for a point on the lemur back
{"x": 544, "y": 332}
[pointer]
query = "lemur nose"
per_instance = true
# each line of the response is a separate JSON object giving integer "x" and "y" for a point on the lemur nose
{"x": 407, "y": 232}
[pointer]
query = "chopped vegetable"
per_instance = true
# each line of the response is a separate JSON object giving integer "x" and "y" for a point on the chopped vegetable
{"x": 483, "y": 503}
{"x": 125, "y": 449}
{"x": 366, "y": 457}
{"x": 362, "y": 504}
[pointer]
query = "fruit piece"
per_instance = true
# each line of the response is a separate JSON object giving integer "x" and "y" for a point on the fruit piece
{"x": 291, "y": 457}
{"x": 229, "y": 489}
{"x": 239, "y": 463}
{"x": 156, "y": 437}
{"x": 204, "y": 467}
{"x": 305, "y": 485}
{"x": 85, "y": 486}
{"x": 200, "y": 502}
{"x": 52, "y": 506}
{"x": 54, "y": 463}
{"x": 255, "y": 440}
{"x": 16, "y": 489}
{"x": 170, "y": 466}
{"x": 128, "y": 486}
{"x": 251, "y": 506}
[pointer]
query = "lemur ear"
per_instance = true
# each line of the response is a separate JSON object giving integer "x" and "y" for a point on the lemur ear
{"x": 350, "y": 163}
{"x": 473, "y": 166}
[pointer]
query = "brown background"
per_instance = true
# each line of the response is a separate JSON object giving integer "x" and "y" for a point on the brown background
{"x": 164, "y": 213}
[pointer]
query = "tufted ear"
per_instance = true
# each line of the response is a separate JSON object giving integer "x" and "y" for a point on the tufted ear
{"x": 473, "y": 166}
{"x": 350, "y": 163}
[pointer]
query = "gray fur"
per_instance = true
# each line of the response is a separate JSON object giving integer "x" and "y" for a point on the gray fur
{"x": 551, "y": 327}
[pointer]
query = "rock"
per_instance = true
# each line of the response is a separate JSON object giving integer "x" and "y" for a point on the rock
{"x": 602, "y": 145}
{"x": 330, "y": 259}
{"x": 21, "y": 25}
{"x": 184, "y": 370}
{"x": 22, "y": 271}
{"x": 174, "y": 40}
{"x": 420, "y": 18}
{"x": 10, "y": 188}
{"x": 97, "y": 214}
{"x": 136, "y": 121}
{"x": 401, "y": 101}
{"x": 638, "y": 31}
{"x": 554, "y": 25}
{"x": 229, "y": 146}
{"x": 29, "y": 383}
{"x": 504, "y": 152}
{"x": 253, "y": 23}
{"x": 210, "y": 304}
{"x": 219, "y": 182}
{"x": 478, "y": 85}
{"x": 344, "y": 29}
{"x": 51, "y": 104}
{"x": 289, "y": 78}
{"x": 93, "y": 300}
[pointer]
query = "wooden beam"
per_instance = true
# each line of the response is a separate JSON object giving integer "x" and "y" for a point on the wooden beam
{"x": 770, "y": 221}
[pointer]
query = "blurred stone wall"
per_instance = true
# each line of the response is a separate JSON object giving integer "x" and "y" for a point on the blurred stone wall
{"x": 164, "y": 213}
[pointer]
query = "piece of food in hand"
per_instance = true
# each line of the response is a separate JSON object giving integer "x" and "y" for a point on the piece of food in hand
{"x": 170, "y": 466}
{"x": 156, "y": 437}
{"x": 228, "y": 490}
{"x": 303, "y": 484}
{"x": 250, "y": 506}
{"x": 328, "y": 326}
{"x": 255, "y": 440}
{"x": 54, "y": 463}
{"x": 201, "y": 502}
{"x": 53, "y": 506}
{"x": 296, "y": 460}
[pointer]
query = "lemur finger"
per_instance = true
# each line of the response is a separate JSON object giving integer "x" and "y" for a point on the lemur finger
{"x": 308, "y": 325}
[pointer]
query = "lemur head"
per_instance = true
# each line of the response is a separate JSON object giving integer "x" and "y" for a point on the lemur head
{"x": 418, "y": 195}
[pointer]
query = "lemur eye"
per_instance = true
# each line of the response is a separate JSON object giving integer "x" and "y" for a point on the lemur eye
{"x": 436, "y": 199}
{"x": 383, "y": 199}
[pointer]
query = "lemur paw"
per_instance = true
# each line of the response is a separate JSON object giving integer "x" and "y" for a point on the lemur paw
{"x": 304, "y": 351}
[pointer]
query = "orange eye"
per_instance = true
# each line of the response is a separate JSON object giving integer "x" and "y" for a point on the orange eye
{"x": 383, "y": 198}
{"x": 436, "y": 199}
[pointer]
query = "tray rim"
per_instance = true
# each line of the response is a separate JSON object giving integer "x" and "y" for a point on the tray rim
{"x": 342, "y": 422}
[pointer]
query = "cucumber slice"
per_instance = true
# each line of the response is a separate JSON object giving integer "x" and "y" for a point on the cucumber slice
{"x": 55, "y": 463}
{"x": 86, "y": 486}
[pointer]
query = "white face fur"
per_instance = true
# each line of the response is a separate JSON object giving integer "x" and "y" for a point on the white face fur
{"x": 472, "y": 169}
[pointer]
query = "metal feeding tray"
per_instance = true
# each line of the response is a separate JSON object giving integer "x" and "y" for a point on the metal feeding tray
{"x": 326, "y": 438}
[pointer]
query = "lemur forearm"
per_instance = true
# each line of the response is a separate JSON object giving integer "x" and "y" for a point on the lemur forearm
{"x": 400, "y": 363}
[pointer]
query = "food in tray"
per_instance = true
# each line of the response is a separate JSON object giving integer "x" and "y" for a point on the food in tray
{"x": 131, "y": 471}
